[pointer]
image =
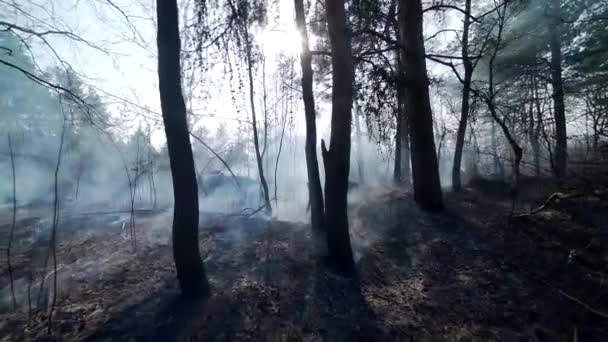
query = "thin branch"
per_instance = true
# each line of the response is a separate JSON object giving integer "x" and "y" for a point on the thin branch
{"x": 456, "y": 8}
{"x": 218, "y": 157}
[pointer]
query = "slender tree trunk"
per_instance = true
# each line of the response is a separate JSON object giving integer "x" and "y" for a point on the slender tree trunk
{"x": 13, "y": 223}
{"x": 534, "y": 130}
{"x": 360, "y": 161}
{"x": 490, "y": 102}
{"x": 78, "y": 182}
{"x": 54, "y": 227}
{"x": 466, "y": 89}
{"x": 315, "y": 194}
{"x": 276, "y": 165}
{"x": 561, "y": 144}
{"x": 427, "y": 188}
{"x": 190, "y": 268}
{"x": 337, "y": 158}
{"x": 256, "y": 142}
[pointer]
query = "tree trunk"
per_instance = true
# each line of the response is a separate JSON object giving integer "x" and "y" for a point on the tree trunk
{"x": 561, "y": 144}
{"x": 490, "y": 102}
{"x": 360, "y": 161}
{"x": 13, "y": 223}
{"x": 190, "y": 269}
{"x": 315, "y": 194}
{"x": 535, "y": 130}
{"x": 425, "y": 172}
{"x": 337, "y": 158}
{"x": 466, "y": 89}
{"x": 256, "y": 142}
{"x": 398, "y": 145}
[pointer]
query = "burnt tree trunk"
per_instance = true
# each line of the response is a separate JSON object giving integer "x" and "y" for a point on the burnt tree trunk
{"x": 337, "y": 158}
{"x": 425, "y": 172}
{"x": 561, "y": 144}
{"x": 315, "y": 194}
{"x": 466, "y": 90}
{"x": 190, "y": 269}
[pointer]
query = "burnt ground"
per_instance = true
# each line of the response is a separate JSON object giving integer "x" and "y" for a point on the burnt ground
{"x": 471, "y": 273}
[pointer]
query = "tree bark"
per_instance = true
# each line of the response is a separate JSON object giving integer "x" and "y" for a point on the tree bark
{"x": 425, "y": 172}
{"x": 466, "y": 89}
{"x": 190, "y": 269}
{"x": 561, "y": 144}
{"x": 337, "y": 158}
{"x": 315, "y": 194}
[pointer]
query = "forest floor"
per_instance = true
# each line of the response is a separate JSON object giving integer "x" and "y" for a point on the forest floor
{"x": 471, "y": 273}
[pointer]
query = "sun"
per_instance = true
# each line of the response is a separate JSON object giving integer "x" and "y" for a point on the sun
{"x": 282, "y": 41}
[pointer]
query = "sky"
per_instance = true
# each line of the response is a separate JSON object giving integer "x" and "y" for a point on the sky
{"x": 124, "y": 66}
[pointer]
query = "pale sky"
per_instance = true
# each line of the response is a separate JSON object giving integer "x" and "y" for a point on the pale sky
{"x": 128, "y": 71}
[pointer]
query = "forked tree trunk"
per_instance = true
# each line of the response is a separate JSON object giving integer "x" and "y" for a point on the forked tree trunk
{"x": 190, "y": 268}
{"x": 425, "y": 172}
{"x": 466, "y": 89}
{"x": 254, "y": 124}
{"x": 337, "y": 158}
{"x": 490, "y": 102}
{"x": 561, "y": 144}
{"x": 315, "y": 194}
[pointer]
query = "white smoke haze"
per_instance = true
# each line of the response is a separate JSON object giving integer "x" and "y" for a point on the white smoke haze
{"x": 114, "y": 159}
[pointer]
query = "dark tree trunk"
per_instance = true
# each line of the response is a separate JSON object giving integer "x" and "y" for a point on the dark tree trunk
{"x": 425, "y": 172}
{"x": 337, "y": 158}
{"x": 315, "y": 194}
{"x": 188, "y": 263}
{"x": 561, "y": 144}
{"x": 466, "y": 89}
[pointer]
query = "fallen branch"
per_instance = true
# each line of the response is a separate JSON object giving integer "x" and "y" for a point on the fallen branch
{"x": 554, "y": 197}
{"x": 581, "y": 303}
{"x": 236, "y": 180}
